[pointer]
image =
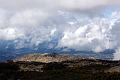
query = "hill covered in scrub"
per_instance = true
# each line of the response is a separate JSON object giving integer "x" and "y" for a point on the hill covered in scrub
{"x": 47, "y": 57}
{"x": 36, "y": 62}
{"x": 67, "y": 68}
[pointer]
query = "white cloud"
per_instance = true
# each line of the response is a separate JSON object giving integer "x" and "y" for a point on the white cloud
{"x": 94, "y": 35}
{"x": 53, "y": 32}
{"x": 29, "y": 18}
{"x": 117, "y": 54}
{"x": 7, "y": 34}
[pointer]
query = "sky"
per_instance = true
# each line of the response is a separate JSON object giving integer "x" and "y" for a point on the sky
{"x": 81, "y": 25}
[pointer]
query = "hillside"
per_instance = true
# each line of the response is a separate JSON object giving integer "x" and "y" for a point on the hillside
{"x": 47, "y": 57}
{"x": 58, "y": 67}
{"x": 35, "y": 62}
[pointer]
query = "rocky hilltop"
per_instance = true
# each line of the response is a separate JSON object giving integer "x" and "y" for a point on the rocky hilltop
{"x": 47, "y": 57}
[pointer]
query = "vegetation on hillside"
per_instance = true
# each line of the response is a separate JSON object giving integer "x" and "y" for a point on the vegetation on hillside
{"x": 85, "y": 69}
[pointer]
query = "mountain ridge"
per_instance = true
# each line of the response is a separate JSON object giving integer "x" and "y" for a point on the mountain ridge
{"x": 47, "y": 57}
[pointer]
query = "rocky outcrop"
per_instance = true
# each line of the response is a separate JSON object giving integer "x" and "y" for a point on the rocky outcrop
{"x": 47, "y": 57}
{"x": 114, "y": 69}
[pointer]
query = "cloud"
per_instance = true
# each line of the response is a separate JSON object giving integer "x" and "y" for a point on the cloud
{"x": 75, "y": 24}
{"x": 90, "y": 7}
{"x": 117, "y": 54}
{"x": 91, "y": 36}
{"x": 9, "y": 32}
{"x": 68, "y": 3}
{"x": 28, "y": 18}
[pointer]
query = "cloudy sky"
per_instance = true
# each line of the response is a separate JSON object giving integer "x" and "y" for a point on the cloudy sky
{"x": 82, "y": 25}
